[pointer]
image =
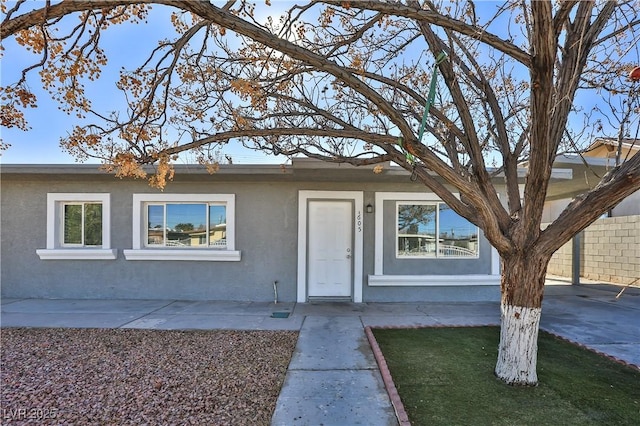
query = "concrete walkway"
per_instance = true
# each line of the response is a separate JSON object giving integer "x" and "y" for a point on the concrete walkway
{"x": 333, "y": 378}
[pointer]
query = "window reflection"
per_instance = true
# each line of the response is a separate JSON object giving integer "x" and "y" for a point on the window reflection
{"x": 218, "y": 226}
{"x": 73, "y": 224}
{"x": 156, "y": 225}
{"x": 187, "y": 225}
{"x": 93, "y": 224}
{"x": 417, "y": 230}
{"x": 458, "y": 236}
{"x": 434, "y": 230}
{"x": 82, "y": 224}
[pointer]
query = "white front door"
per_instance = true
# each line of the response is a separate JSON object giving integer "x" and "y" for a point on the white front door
{"x": 330, "y": 250}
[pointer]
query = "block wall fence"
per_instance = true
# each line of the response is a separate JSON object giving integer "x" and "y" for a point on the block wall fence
{"x": 609, "y": 251}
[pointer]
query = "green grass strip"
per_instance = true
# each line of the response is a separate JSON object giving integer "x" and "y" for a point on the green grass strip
{"x": 445, "y": 377}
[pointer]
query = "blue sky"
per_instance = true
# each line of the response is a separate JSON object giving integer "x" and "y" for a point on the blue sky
{"x": 450, "y": 223}
{"x": 195, "y": 214}
{"x": 47, "y": 122}
{"x": 126, "y": 45}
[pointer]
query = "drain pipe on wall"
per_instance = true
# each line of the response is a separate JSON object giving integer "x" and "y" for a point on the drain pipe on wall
{"x": 275, "y": 292}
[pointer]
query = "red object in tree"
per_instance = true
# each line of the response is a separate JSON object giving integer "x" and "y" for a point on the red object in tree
{"x": 635, "y": 74}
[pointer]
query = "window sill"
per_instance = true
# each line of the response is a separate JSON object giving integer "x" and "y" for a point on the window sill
{"x": 433, "y": 280}
{"x": 193, "y": 254}
{"x": 77, "y": 254}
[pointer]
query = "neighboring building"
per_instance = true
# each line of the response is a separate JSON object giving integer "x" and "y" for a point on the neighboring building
{"x": 608, "y": 148}
{"x": 595, "y": 162}
{"x": 321, "y": 231}
{"x": 609, "y": 249}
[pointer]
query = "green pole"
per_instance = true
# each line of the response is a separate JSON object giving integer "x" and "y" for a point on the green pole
{"x": 430, "y": 99}
{"x": 432, "y": 94}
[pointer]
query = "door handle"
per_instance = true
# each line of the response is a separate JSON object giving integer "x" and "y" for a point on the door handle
{"x": 348, "y": 256}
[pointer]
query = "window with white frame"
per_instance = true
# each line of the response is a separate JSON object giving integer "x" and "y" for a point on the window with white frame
{"x": 183, "y": 227}
{"x": 78, "y": 227}
{"x": 81, "y": 224}
{"x": 433, "y": 230}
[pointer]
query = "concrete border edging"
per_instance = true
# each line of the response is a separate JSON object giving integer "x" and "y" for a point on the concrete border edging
{"x": 590, "y": 349}
{"x": 398, "y": 407}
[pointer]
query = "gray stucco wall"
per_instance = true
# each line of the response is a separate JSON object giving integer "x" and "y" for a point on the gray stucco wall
{"x": 266, "y": 235}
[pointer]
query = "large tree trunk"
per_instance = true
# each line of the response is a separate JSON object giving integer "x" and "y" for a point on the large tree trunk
{"x": 522, "y": 288}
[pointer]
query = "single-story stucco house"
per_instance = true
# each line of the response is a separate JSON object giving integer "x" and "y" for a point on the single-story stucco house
{"x": 308, "y": 231}
{"x": 597, "y": 159}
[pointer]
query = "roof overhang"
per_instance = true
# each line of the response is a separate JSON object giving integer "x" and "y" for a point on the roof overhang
{"x": 572, "y": 175}
{"x": 608, "y": 147}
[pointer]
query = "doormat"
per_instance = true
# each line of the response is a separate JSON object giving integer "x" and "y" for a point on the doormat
{"x": 280, "y": 315}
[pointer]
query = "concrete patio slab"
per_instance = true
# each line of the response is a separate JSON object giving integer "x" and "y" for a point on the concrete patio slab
{"x": 215, "y": 307}
{"x": 582, "y": 334}
{"x": 66, "y": 320}
{"x": 6, "y": 300}
{"x": 80, "y": 306}
{"x": 214, "y": 322}
{"x": 331, "y": 309}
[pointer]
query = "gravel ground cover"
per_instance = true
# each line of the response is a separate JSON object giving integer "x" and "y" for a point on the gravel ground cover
{"x": 136, "y": 377}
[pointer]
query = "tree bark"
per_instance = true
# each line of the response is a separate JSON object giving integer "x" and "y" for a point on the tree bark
{"x": 522, "y": 288}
